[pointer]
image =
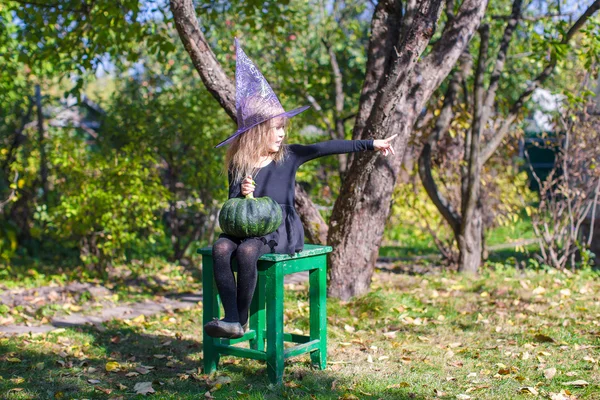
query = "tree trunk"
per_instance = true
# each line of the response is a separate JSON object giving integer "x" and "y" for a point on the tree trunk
{"x": 362, "y": 208}
{"x": 470, "y": 242}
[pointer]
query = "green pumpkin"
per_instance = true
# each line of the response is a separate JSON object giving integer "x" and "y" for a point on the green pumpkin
{"x": 250, "y": 216}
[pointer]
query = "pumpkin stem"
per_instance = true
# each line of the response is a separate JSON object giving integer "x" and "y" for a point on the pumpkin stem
{"x": 250, "y": 196}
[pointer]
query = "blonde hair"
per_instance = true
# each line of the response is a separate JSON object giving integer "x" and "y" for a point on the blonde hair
{"x": 245, "y": 151}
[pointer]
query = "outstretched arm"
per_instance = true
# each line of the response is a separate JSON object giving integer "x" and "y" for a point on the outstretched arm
{"x": 304, "y": 153}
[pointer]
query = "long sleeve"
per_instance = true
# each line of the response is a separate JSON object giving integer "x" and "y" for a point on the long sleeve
{"x": 234, "y": 190}
{"x": 304, "y": 153}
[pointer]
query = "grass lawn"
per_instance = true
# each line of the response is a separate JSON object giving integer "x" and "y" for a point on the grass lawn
{"x": 507, "y": 334}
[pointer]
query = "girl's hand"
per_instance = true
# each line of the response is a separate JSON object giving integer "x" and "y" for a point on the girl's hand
{"x": 384, "y": 146}
{"x": 248, "y": 185}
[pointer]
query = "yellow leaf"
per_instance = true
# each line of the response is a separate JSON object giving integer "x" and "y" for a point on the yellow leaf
{"x": 139, "y": 319}
{"x": 398, "y": 385}
{"x": 14, "y": 360}
{"x": 112, "y": 366}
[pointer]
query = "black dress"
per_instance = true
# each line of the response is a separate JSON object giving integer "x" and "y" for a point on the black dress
{"x": 277, "y": 181}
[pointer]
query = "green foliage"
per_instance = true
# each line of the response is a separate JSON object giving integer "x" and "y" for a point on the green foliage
{"x": 107, "y": 200}
{"x": 8, "y": 240}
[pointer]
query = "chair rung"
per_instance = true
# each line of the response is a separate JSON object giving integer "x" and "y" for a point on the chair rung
{"x": 250, "y": 335}
{"x": 239, "y": 352}
{"x": 292, "y": 337}
{"x": 301, "y": 349}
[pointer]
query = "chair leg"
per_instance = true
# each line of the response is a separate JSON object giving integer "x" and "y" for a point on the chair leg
{"x": 318, "y": 312}
{"x": 257, "y": 314}
{"x": 275, "y": 359}
{"x": 210, "y": 310}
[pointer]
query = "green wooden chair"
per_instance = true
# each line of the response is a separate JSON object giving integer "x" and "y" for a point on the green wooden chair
{"x": 265, "y": 334}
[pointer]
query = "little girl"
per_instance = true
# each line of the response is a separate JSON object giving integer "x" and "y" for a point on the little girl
{"x": 259, "y": 162}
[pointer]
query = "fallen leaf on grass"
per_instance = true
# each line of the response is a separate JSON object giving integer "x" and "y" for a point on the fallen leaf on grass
{"x": 219, "y": 383}
{"x": 349, "y": 329}
{"x": 131, "y": 374}
{"x": 529, "y": 389}
{"x": 563, "y": 395}
{"x": 543, "y": 338}
{"x": 143, "y": 388}
{"x": 103, "y": 390}
{"x": 398, "y": 385}
{"x": 348, "y": 396}
{"x": 143, "y": 370}
{"x": 390, "y": 335}
{"x": 463, "y": 396}
{"x": 480, "y": 387}
{"x": 539, "y": 290}
{"x": 139, "y": 319}
{"x": 549, "y": 373}
{"x": 577, "y": 383}
{"x": 94, "y": 381}
{"x": 112, "y": 366}
{"x": 439, "y": 393}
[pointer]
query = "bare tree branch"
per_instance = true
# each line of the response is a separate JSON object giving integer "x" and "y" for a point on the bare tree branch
{"x": 442, "y": 125}
{"x": 203, "y": 58}
{"x": 469, "y": 198}
{"x": 501, "y": 59}
{"x": 339, "y": 91}
{"x": 385, "y": 29}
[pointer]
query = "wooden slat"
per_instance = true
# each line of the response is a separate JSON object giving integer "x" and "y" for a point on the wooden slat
{"x": 301, "y": 349}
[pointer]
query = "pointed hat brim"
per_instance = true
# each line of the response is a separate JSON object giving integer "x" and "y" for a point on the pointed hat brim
{"x": 287, "y": 114}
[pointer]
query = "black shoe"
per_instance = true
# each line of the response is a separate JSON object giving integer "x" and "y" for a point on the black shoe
{"x": 223, "y": 329}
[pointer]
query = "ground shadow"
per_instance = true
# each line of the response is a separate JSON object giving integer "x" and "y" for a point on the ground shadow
{"x": 57, "y": 370}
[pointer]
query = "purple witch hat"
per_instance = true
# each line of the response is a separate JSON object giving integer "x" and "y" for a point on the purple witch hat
{"x": 255, "y": 101}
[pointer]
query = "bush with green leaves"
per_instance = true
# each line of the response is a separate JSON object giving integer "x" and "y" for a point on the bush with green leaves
{"x": 108, "y": 200}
